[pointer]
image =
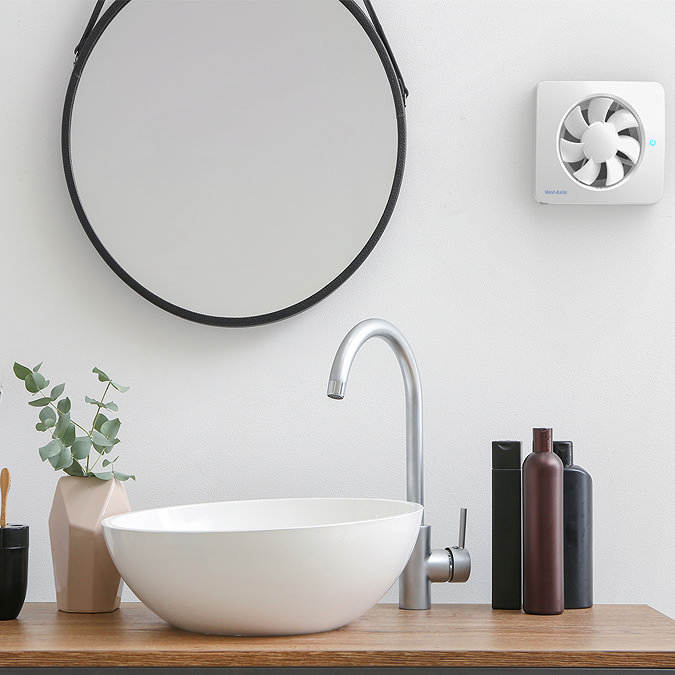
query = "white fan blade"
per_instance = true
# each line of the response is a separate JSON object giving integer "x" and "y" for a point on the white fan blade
{"x": 571, "y": 152}
{"x": 630, "y": 147}
{"x": 615, "y": 171}
{"x": 597, "y": 109}
{"x": 588, "y": 172}
{"x": 623, "y": 119}
{"x": 575, "y": 123}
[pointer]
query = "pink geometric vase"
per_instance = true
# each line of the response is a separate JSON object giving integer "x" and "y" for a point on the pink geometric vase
{"x": 86, "y": 578}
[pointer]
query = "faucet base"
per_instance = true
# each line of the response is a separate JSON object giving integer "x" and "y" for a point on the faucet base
{"x": 414, "y": 586}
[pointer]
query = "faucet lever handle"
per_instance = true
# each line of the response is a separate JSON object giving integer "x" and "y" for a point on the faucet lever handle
{"x": 462, "y": 528}
{"x": 461, "y": 560}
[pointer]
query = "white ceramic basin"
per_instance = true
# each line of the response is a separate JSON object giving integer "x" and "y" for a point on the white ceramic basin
{"x": 264, "y": 567}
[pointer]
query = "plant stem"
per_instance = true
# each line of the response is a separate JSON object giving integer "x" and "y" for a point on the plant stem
{"x": 98, "y": 410}
{"x": 93, "y": 426}
{"x": 95, "y": 462}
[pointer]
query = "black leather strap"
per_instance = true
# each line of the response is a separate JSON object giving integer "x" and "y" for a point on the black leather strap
{"x": 385, "y": 42}
{"x": 90, "y": 26}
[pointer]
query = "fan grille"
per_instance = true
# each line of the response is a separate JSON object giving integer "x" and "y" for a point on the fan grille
{"x": 593, "y": 142}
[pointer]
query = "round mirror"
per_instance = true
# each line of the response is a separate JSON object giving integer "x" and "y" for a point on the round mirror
{"x": 234, "y": 161}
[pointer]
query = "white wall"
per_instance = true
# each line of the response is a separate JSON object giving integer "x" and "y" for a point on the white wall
{"x": 520, "y": 315}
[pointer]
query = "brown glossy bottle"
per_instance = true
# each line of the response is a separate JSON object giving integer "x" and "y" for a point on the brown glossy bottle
{"x": 543, "y": 565}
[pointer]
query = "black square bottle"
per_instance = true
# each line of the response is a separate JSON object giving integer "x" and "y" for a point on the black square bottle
{"x": 506, "y": 527}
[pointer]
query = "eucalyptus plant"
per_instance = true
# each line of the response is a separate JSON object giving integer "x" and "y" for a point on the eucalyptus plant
{"x": 77, "y": 455}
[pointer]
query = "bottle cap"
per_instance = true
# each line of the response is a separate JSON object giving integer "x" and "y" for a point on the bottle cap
{"x": 564, "y": 450}
{"x": 506, "y": 455}
{"x": 543, "y": 440}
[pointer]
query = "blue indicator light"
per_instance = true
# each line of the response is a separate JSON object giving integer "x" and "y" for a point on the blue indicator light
{"x": 652, "y": 142}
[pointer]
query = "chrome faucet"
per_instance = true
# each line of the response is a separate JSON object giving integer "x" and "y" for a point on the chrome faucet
{"x": 425, "y": 565}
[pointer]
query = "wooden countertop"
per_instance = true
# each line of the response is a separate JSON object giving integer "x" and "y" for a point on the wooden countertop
{"x": 604, "y": 636}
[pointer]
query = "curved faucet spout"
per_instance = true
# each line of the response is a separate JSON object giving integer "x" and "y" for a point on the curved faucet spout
{"x": 425, "y": 564}
{"x": 337, "y": 382}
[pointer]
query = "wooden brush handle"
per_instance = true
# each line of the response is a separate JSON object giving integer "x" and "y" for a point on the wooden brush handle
{"x": 4, "y": 489}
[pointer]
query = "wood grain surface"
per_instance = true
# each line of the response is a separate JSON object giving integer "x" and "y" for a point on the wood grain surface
{"x": 604, "y": 636}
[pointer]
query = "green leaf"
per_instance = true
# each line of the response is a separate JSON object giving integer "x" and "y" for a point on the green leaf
{"x": 108, "y": 406}
{"x": 40, "y": 402}
{"x": 105, "y": 439}
{"x": 115, "y": 442}
{"x": 62, "y": 425}
{"x": 57, "y": 391}
{"x": 21, "y": 371}
{"x": 119, "y": 387}
{"x": 63, "y": 460}
{"x": 102, "y": 377}
{"x": 123, "y": 476}
{"x": 52, "y": 449}
{"x": 103, "y": 475}
{"x": 110, "y": 428}
{"x": 99, "y": 439}
{"x": 35, "y": 382}
{"x": 63, "y": 406}
{"x": 81, "y": 447}
{"x": 75, "y": 470}
{"x": 69, "y": 435}
{"x": 48, "y": 417}
{"x": 101, "y": 419}
{"x": 39, "y": 365}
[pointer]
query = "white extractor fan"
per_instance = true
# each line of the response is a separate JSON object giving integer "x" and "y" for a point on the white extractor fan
{"x": 599, "y": 142}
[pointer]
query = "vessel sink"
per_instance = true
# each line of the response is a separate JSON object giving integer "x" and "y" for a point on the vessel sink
{"x": 264, "y": 567}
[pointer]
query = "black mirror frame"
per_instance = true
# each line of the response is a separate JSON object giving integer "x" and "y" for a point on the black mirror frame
{"x": 84, "y": 50}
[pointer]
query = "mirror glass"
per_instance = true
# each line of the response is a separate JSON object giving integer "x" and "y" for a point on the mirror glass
{"x": 234, "y": 161}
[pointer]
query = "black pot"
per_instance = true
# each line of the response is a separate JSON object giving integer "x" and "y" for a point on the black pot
{"x": 13, "y": 569}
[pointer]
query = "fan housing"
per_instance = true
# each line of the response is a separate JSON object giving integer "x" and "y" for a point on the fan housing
{"x": 599, "y": 142}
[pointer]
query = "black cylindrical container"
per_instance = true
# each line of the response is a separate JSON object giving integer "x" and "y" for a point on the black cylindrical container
{"x": 578, "y": 525}
{"x": 13, "y": 569}
{"x": 543, "y": 528}
{"x": 506, "y": 528}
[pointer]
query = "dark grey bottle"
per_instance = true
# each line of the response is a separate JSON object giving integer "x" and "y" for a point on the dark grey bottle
{"x": 543, "y": 528}
{"x": 578, "y": 527}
